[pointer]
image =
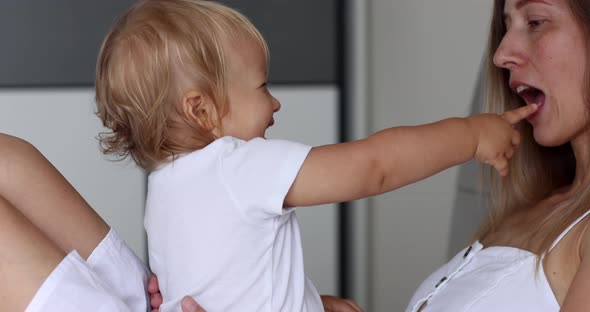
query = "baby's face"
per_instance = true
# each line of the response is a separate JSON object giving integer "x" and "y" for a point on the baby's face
{"x": 251, "y": 106}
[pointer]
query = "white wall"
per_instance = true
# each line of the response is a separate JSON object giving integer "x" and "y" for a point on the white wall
{"x": 62, "y": 125}
{"x": 424, "y": 57}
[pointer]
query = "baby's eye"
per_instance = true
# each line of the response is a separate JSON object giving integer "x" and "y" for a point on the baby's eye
{"x": 264, "y": 87}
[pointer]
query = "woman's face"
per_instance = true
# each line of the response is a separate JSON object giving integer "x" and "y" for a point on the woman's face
{"x": 544, "y": 50}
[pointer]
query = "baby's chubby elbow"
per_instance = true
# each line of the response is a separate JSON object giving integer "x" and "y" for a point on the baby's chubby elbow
{"x": 376, "y": 168}
{"x": 380, "y": 186}
{"x": 384, "y": 160}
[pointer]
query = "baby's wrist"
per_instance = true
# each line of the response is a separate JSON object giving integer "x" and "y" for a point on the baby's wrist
{"x": 473, "y": 137}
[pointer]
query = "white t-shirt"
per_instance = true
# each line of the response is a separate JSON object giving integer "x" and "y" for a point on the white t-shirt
{"x": 217, "y": 229}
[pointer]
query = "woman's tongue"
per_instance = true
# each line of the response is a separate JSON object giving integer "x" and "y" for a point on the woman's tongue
{"x": 533, "y": 96}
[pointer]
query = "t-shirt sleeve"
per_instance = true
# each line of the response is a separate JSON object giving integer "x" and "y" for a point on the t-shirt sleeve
{"x": 259, "y": 173}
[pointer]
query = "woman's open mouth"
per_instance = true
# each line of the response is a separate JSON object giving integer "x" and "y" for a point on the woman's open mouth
{"x": 530, "y": 95}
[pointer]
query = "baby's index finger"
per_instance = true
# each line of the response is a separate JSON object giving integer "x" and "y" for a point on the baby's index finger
{"x": 516, "y": 115}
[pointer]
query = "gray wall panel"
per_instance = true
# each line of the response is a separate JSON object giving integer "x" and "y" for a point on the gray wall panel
{"x": 55, "y": 43}
{"x": 302, "y": 36}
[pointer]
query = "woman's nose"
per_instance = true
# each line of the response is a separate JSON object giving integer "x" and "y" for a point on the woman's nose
{"x": 510, "y": 52}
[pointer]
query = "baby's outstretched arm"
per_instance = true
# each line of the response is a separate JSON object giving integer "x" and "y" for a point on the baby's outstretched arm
{"x": 399, "y": 156}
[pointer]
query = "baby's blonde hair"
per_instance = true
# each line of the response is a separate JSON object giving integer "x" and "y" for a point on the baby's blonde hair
{"x": 156, "y": 52}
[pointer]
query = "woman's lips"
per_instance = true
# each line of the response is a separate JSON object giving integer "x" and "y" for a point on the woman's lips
{"x": 533, "y": 117}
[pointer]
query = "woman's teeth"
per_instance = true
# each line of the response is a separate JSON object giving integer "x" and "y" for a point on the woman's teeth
{"x": 520, "y": 89}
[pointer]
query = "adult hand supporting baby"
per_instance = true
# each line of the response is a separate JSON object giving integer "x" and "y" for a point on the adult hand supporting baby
{"x": 188, "y": 303}
{"x": 331, "y": 303}
{"x": 335, "y": 304}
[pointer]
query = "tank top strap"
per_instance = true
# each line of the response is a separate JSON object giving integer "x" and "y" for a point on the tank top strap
{"x": 569, "y": 228}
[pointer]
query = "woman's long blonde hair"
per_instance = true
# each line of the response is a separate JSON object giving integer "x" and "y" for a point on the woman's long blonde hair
{"x": 535, "y": 171}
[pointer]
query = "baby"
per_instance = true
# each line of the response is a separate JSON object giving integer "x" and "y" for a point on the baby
{"x": 182, "y": 84}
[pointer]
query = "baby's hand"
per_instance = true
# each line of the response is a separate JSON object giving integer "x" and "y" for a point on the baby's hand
{"x": 497, "y": 139}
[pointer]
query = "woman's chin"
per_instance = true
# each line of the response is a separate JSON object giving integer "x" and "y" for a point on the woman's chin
{"x": 547, "y": 139}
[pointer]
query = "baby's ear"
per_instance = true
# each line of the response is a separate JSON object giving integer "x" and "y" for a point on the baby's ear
{"x": 197, "y": 107}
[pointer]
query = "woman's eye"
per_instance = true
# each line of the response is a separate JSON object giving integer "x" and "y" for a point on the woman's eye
{"x": 536, "y": 23}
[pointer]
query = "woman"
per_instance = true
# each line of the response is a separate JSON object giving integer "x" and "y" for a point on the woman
{"x": 533, "y": 254}
{"x": 56, "y": 248}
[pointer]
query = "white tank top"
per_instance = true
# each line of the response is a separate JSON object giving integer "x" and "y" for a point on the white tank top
{"x": 496, "y": 278}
